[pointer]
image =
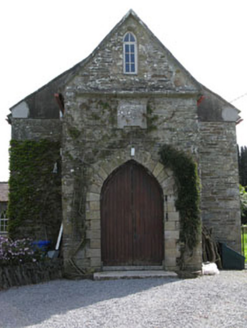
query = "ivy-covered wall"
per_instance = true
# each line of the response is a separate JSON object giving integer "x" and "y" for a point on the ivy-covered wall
{"x": 187, "y": 203}
{"x": 95, "y": 143}
{"x": 34, "y": 208}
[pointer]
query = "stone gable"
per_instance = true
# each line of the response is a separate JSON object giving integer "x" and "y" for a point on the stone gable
{"x": 158, "y": 70}
{"x": 111, "y": 118}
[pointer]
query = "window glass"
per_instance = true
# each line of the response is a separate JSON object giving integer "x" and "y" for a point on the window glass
{"x": 132, "y": 39}
{"x": 130, "y": 54}
{"x": 126, "y": 39}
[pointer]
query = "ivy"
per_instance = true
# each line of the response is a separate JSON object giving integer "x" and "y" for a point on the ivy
{"x": 151, "y": 119}
{"x": 34, "y": 208}
{"x": 187, "y": 203}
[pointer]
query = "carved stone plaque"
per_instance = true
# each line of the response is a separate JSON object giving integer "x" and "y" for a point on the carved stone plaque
{"x": 132, "y": 112}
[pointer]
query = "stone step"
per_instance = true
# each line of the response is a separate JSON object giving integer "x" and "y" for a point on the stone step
{"x": 132, "y": 268}
{"x": 136, "y": 274}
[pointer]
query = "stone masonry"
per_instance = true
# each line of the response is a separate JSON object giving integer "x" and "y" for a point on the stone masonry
{"x": 110, "y": 118}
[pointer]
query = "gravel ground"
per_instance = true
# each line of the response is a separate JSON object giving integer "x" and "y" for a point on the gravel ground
{"x": 209, "y": 301}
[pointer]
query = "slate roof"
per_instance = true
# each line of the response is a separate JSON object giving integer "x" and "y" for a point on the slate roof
{"x": 4, "y": 191}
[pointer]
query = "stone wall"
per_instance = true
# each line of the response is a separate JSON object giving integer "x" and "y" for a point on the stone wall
{"x": 158, "y": 70}
{"x": 36, "y": 129}
{"x": 30, "y": 273}
{"x": 219, "y": 177}
{"x": 95, "y": 142}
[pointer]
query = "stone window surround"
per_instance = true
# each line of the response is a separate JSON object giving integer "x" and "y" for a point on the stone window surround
{"x": 135, "y": 54}
{"x": 102, "y": 170}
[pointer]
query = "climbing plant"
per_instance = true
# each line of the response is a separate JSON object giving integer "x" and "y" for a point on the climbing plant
{"x": 188, "y": 197}
{"x": 34, "y": 208}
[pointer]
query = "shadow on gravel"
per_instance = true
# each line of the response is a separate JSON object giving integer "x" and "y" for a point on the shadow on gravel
{"x": 31, "y": 305}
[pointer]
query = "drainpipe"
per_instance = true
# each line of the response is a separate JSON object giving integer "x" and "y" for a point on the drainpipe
{"x": 60, "y": 101}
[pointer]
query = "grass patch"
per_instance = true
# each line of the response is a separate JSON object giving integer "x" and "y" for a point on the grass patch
{"x": 244, "y": 241}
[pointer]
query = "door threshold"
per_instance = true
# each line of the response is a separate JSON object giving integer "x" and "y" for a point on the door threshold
{"x": 134, "y": 274}
{"x": 134, "y": 268}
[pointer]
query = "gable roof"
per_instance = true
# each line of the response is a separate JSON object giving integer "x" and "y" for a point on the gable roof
{"x": 43, "y": 98}
{"x": 4, "y": 191}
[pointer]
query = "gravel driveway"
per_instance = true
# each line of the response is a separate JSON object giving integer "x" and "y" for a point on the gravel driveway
{"x": 209, "y": 301}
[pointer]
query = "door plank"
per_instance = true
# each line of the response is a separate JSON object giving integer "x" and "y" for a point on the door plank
{"x": 131, "y": 218}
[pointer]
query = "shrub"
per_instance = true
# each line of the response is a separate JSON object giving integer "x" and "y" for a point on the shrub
{"x": 18, "y": 252}
{"x": 243, "y": 199}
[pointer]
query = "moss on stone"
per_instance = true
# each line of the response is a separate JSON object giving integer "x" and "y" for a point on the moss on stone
{"x": 95, "y": 116}
{"x": 74, "y": 132}
{"x": 151, "y": 119}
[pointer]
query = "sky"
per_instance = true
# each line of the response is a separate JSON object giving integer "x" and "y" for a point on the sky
{"x": 40, "y": 39}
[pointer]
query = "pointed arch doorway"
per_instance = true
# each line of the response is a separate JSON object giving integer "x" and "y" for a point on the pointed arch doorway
{"x": 132, "y": 231}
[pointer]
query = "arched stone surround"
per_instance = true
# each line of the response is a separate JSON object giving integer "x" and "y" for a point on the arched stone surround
{"x": 100, "y": 172}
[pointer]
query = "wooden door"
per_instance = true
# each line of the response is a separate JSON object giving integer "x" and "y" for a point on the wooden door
{"x": 131, "y": 218}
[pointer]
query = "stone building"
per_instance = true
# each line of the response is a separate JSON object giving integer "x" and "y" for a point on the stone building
{"x": 112, "y": 113}
{"x": 4, "y": 190}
